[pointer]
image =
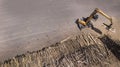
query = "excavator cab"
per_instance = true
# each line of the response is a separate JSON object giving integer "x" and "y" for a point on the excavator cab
{"x": 95, "y": 17}
{"x": 82, "y": 23}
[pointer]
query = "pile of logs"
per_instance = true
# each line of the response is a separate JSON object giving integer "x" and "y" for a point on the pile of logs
{"x": 83, "y": 50}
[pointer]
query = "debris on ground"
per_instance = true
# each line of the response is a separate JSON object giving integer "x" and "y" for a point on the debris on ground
{"x": 83, "y": 50}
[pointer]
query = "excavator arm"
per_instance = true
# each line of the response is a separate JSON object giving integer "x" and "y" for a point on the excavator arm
{"x": 93, "y": 14}
{"x": 108, "y": 17}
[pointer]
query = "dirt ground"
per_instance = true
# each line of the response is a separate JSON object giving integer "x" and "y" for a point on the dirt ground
{"x": 27, "y": 25}
{"x": 85, "y": 50}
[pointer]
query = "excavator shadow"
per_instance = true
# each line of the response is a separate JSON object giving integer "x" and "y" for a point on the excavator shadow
{"x": 113, "y": 46}
{"x": 96, "y": 30}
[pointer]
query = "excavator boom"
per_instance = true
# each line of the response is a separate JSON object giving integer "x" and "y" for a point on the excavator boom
{"x": 100, "y": 12}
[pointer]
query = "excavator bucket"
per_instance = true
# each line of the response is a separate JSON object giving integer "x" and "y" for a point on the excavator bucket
{"x": 109, "y": 28}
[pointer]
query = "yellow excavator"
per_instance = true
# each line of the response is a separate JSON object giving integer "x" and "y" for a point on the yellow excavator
{"x": 87, "y": 21}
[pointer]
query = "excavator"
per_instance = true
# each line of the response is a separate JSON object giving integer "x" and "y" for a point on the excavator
{"x": 86, "y": 22}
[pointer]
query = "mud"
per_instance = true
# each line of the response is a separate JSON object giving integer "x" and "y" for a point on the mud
{"x": 27, "y": 25}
